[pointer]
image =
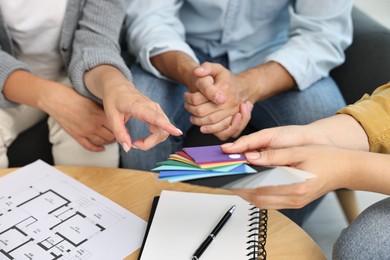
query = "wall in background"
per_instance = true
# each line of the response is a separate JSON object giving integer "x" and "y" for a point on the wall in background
{"x": 377, "y": 9}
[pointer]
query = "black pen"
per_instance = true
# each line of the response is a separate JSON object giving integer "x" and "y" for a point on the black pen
{"x": 213, "y": 234}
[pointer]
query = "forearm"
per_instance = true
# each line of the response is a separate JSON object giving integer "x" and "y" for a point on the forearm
{"x": 176, "y": 65}
{"x": 266, "y": 80}
{"x": 25, "y": 88}
{"x": 369, "y": 172}
{"x": 338, "y": 130}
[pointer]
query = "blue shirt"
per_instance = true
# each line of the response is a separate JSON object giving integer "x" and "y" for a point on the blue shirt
{"x": 306, "y": 37}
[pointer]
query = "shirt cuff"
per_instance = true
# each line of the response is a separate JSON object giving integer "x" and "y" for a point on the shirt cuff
{"x": 156, "y": 49}
{"x": 91, "y": 59}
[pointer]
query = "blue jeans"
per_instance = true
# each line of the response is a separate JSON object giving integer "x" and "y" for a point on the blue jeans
{"x": 294, "y": 107}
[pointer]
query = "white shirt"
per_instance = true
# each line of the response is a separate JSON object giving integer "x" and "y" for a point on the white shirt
{"x": 35, "y": 28}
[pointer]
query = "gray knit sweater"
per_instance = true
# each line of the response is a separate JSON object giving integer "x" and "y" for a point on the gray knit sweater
{"x": 89, "y": 38}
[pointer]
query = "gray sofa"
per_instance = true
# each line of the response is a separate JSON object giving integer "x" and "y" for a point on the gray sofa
{"x": 367, "y": 66}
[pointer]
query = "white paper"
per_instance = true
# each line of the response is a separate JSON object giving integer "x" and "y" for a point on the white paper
{"x": 45, "y": 214}
{"x": 184, "y": 219}
{"x": 273, "y": 177}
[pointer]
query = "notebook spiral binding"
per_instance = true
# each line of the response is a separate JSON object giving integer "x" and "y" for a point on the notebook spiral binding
{"x": 257, "y": 237}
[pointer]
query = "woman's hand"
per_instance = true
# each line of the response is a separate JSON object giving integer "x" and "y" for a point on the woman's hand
{"x": 334, "y": 168}
{"x": 123, "y": 101}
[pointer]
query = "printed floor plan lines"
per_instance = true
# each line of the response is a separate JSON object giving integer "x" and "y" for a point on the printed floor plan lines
{"x": 49, "y": 220}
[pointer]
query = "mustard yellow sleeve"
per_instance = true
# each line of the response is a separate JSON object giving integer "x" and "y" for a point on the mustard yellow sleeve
{"x": 373, "y": 114}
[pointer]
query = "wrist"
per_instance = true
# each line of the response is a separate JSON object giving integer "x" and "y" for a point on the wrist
{"x": 339, "y": 130}
{"x": 268, "y": 80}
{"x": 51, "y": 95}
{"x": 175, "y": 65}
{"x": 102, "y": 77}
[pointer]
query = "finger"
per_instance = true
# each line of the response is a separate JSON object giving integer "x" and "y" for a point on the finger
{"x": 203, "y": 110}
{"x": 246, "y": 113}
{"x": 96, "y": 140}
{"x": 157, "y": 136}
{"x": 156, "y": 118}
{"x": 277, "y": 157}
{"x": 120, "y": 131}
{"x": 84, "y": 142}
{"x": 195, "y": 98}
{"x": 106, "y": 134}
{"x": 213, "y": 118}
{"x": 208, "y": 68}
{"x": 232, "y": 130}
{"x": 202, "y": 71}
{"x": 254, "y": 141}
{"x": 206, "y": 86}
{"x": 216, "y": 128}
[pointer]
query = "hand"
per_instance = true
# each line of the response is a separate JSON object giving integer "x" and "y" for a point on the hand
{"x": 340, "y": 130}
{"x": 221, "y": 104}
{"x": 331, "y": 165}
{"x": 231, "y": 126}
{"x": 123, "y": 102}
{"x": 80, "y": 117}
{"x": 272, "y": 138}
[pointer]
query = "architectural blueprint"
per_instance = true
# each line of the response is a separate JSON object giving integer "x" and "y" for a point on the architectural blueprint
{"x": 47, "y": 215}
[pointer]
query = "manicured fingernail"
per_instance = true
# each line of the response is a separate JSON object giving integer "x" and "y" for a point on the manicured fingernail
{"x": 179, "y": 131}
{"x": 227, "y": 145}
{"x": 252, "y": 155}
{"x": 125, "y": 147}
{"x": 134, "y": 147}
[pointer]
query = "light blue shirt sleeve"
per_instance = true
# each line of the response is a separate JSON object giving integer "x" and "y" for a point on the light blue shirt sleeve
{"x": 306, "y": 37}
{"x": 154, "y": 27}
{"x": 319, "y": 33}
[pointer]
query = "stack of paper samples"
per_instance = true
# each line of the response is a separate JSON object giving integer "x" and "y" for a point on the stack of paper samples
{"x": 201, "y": 162}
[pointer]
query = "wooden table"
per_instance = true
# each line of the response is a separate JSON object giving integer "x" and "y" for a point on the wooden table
{"x": 134, "y": 190}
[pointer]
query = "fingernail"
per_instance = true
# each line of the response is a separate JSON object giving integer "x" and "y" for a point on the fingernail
{"x": 135, "y": 147}
{"x": 250, "y": 105}
{"x": 179, "y": 131}
{"x": 125, "y": 147}
{"x": 227, "y": 145}
{"x": 220, "y": 98}
{"x": 252, "y": 155}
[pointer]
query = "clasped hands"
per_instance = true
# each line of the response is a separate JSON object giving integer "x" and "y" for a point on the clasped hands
{"x": 219, "y": 101}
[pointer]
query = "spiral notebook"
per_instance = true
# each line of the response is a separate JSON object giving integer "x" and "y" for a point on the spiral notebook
{"x": 182, "y": 220}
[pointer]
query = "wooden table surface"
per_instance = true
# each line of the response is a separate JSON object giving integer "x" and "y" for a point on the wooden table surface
{"x": 134, "y": 190}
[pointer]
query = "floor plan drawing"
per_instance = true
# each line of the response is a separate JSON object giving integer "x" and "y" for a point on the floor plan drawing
{"x": 48, "y": 215}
